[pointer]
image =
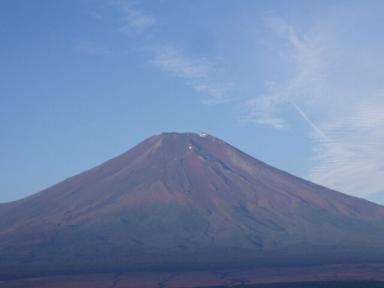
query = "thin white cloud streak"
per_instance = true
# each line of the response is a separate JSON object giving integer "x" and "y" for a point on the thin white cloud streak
{"x": 347, "y": 124}
{"x": 198, "y": 73}
{"x": 309, "y": 121}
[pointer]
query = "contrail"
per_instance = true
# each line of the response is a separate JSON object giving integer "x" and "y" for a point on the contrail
{"x": 309, "y": 121}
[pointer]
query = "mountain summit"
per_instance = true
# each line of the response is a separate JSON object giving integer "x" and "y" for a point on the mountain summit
{"x": 185, "y": 201}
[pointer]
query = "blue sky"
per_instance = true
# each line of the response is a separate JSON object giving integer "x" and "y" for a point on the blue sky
{"x": 298, "y": 84}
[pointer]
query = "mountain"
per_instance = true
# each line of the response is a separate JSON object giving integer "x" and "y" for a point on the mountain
{"x": 185, "y": 201}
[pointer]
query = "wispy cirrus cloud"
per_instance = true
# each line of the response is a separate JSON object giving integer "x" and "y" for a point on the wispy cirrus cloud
{"x": 198, "y": 73}
{"x": 305, "y": 53}
{"x": 201, "y": 74}
{"x": 263, "y": 110}
{"x": 342, "y": 105}
{"x": 133, "y": 19}
{"x": 351, "y": 159}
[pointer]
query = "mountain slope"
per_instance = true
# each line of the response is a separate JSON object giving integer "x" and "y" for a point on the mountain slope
{"x": 185, "y": 201}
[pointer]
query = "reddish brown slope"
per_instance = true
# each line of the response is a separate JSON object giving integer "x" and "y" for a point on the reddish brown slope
{"x": 185, "y": 201}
